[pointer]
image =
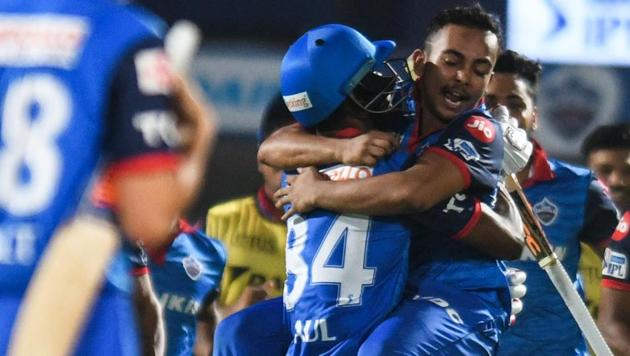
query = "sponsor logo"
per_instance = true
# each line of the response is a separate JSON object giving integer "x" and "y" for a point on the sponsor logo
{"x": 615, "y": 264}
{"x": 481, "y": 128}
{"x": 192, "y": 267}
{"x": 298, "y": 102}
{"x": 622, "y": 229}
{"x": 465, "y": 148}
{"x": 153, "y": 71}
{"x": 41, "y": 40}
{"x": 341, "y": 172}
{"x": 546, "y": 211}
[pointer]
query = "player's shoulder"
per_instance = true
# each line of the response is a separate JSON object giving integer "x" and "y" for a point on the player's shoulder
{"x": 569, "y": 170}
{"x": 476, "y": 123}
{"x": 197, "y": 240}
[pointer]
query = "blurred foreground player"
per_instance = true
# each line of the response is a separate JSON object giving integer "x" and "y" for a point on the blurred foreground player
{"x": 571, "y": 206}
{"x": 83, "y": 81}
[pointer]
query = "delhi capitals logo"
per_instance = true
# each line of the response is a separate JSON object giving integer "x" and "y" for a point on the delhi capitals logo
{"x": 192, "y": 267}
{"x": 546, "y": 211}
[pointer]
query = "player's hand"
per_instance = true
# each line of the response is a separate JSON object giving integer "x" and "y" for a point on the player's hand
{"x": 301, "y": 192}
{"x": 517, "y": 148}
{"x": 516, "y": 279}
{"x": 368, "y": 148}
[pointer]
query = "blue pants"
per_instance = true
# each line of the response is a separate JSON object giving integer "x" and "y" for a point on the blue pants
{"x": 440, "y": 320}
{"x": 110, "y": 330}
{"x": 257, "y": 330}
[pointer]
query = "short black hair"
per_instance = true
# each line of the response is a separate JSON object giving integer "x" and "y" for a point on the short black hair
{"x": 511, "y": 62}
{"x": 607, "y": 137}
{"x": 473, "y": 16}
{"x": 275, "y": 116}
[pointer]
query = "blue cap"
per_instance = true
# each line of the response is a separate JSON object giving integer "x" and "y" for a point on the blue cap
{"x": 322, "y": 68}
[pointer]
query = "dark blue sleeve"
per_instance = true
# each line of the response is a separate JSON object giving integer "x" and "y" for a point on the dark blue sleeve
{"x": 140, "y": 119}
{"x": 600, "y": 215}
{"x": 453, "y": 217}
{"x": 475, "y": 145}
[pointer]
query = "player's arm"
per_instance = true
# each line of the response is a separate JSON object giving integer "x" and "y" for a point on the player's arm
{"x": 499, "y": 232}
{"x": 292, "y": 147}
{"x": 614, "y": 319}
{"x": 146, "y": 153}
{"x": 206, "y": 324}
{"x": 431, "y": 180}
{"x": 149, "y": 216}
{"x": 150, "y": 319}
{"x": 600, "y": 218}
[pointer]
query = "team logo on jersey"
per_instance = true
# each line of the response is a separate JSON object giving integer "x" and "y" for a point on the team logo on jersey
{"x": 546, "y": 211}
{"x": 192, "y": 267}
{"x": 615, "y": 264}
{"x": 297, "y": 102}
{"x": 464, "y": 148}
{"x": 622, "y": 228}
{"x": 481, "y": 128}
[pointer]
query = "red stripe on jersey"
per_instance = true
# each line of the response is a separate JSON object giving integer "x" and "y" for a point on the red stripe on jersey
{"x": 474, "y": 220}
{"x": 614, "y": 284}
{"x": 140, "y": 271}
{"x": 145, "y": 163}
{"x": 461, "y": 166}
{"x": 622, "y": 228}
{"x": 541, "y": 170}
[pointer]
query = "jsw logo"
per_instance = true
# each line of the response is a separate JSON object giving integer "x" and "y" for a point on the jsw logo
{"x": 178, "y": 303}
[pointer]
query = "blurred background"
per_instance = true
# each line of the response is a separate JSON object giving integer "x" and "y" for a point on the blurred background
{"x": 584, "y": 46}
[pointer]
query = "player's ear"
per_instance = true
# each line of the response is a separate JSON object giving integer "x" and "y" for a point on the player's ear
{"x": 535, "y": 118}
{"x": 416, "y": 62}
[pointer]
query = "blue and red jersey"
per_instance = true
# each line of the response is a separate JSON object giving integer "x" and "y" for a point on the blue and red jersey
{"x": 615, "y": 272}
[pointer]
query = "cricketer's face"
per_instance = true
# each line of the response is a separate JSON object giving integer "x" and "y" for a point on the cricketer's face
{"x": 612, "y": 167}
{"x": 513, "y": 92}
{"x": 457, "y": 69}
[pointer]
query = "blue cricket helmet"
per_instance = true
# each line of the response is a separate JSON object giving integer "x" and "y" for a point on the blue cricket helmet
{"x": 321, "y": 69}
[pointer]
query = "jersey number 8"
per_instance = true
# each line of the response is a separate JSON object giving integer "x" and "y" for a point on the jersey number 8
{"x": 36, "y": 110}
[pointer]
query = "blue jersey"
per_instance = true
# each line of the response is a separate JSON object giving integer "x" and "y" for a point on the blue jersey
{"x": 79, "y": 81}
{"x": 572, "y": 207}
{"x": 346, "y": 272}
{"x": 190, "y": 270}
{"x": 473, "y": 142}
